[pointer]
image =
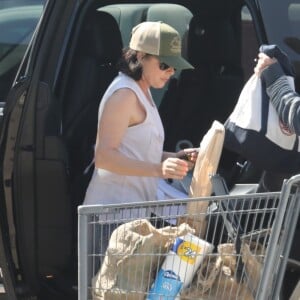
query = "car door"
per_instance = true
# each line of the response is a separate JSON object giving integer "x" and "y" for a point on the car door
{"x": 20, "y": 221}
{"x": 18, "y": 20}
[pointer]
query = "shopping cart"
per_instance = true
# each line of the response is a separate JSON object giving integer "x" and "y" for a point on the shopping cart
{"x": 256, "y": 231}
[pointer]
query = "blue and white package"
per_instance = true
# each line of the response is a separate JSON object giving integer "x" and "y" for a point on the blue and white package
{"x": 166, "y": 286}
{"x": 179, "y": 267}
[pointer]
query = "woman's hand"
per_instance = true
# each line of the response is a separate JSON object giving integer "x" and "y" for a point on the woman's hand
{"x": 176, "y": 165}
{"x": 174, "y": 168}
{"x": 263, "y": 62}
{"x": 190, "y": 155}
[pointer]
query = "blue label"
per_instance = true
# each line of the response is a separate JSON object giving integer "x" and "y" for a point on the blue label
{"x": 176, "y": 245}
{"x": 166, "y": 286}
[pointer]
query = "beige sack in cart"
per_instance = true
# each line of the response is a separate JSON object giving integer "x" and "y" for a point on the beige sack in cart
{"x": 252, "y": 257}
{"x": 216, "y": 278}
{"x": 130, "y": 265}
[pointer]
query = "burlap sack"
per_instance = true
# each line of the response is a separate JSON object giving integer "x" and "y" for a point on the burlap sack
{"x": 215, "y": 278}
{"x": 252, "y": 256}
{"x": 133, "y": 256}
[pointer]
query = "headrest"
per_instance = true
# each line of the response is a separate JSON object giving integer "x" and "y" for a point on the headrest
{"x": 103, "y": 37}
{"x": 174, "y": 15}
{"x": 211, "y": 41}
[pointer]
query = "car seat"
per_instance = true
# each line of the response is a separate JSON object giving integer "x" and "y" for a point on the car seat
{"x": 127, "y": 16}
{"x": 99, "y": 49}
{"x": 208, "y": 92}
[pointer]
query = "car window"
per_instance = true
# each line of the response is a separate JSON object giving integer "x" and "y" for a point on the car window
{"x": 18, "y": 20}
{"x": 286, "y": 32}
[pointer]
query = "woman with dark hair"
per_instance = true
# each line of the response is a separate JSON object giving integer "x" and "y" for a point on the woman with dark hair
{"x": 129, "y": 157}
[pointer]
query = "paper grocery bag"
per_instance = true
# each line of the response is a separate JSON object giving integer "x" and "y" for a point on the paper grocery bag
{"x": 134, "y": 254}
{"x": 216, "y": 278}
{"x": 206, "y": 165}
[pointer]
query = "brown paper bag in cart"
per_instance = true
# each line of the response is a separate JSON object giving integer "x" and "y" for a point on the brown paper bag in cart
{"x": 206, "y": 165}
{"x": 134, "y": 254}
{"x": 216, "y": 279}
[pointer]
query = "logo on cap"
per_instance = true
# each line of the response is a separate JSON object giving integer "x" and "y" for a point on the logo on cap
{"x": 175, "y": 45}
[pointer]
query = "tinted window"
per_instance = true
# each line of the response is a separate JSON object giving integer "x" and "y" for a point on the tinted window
{"x": 286, "y": 31}
{"x": 17, "y": 24}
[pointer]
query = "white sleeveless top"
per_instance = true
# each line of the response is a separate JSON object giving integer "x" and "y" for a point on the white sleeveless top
{"x": 143, "y": 142}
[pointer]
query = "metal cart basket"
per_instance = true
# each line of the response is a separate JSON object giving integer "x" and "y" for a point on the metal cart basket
{"x": 250, "y": 236}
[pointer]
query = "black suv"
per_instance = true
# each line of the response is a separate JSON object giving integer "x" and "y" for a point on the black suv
{"x": 56, "y": 60}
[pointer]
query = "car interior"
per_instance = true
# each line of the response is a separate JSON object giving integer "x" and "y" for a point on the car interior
{"x": 212, "y": 41}
{"x": 212, "y": 44}
{"x": 218, "y": 39}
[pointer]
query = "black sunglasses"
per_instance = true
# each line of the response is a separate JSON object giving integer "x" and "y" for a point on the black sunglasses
{"x": 163, "y": 66}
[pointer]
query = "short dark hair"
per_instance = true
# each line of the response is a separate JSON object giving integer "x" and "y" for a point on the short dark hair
{"x": 130, "y": 65}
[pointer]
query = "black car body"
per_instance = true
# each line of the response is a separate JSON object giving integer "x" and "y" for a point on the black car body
{"x": 50, "y": 114}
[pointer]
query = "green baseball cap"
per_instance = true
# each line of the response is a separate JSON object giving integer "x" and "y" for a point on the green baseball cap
{"x": 160, "y": 39}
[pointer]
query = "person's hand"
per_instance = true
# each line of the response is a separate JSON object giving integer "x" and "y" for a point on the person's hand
{"x": 263, "y": 62}
{"x": 190, "y": 155}
{"x": 174, "y": 168}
